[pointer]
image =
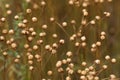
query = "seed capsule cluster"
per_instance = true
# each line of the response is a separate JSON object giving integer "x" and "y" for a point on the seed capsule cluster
{"x": 51, "y": 45}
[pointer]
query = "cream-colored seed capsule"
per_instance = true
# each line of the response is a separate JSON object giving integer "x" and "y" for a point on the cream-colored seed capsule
{"x": 30, "y": 38}
{"x": 39, "y": 42}
{"x": 47, "y": 47}
{"x": 35, "y": 6}
{"x": 84, "y": 4}
{"x": 54, "y": 51}
{"x": 91, "y": 68}
{"x": 42, "y": 34}
{"x": 30, "y": 62}
{"x": 35, "y": 47}
{"x": 12, "y": 39}
{"x": 93, "y": 49}
{"x": 103, "y": 33}
{"x": 84, "y": 63}
{"x": 71, "y": 65}
{"x": 83, "y": 38}
{"x": 68, "y": 78}
{"x": 64, "y": 24}
{"x": 25, "y": 21}
{"x": 4, "y": 31}
{"x": 83, "y": 44}
{"x": 60, "y": 69}
{"x": 71, "y": 2}
{"x": 109, "y": 0}
{"x": 13, "y": 45}
{"x": 107, "y": 57}
{"x": 83, "y": 22}
{"x": 97, "y": 17}
{"x": 98, "y": 43}
{"x": 55, "y": 45}
{"x": 112, "y": 77}
{"x": 30, "y": 56}
{"x": 93, "y": 45}
{"x": 31, "y": 68}
{"x": 3, "y": 19}
{"x": 54, "y": 35}
{"x": 49, "y": 72}
{"x": 85, "y": 13}
{"x": 72, "y": 21}
{"x": 82, "y": 77}
{"x": 44, "y": 26}
{"x": 113, "y": 60}
{"x": 7, "y": 5}
{"x": 69, "y": 53}
{"x": 70, "y": 71}
{"x": 16, "y": 17}
{"x": 11, "y": 31}
{"x": 52, "y": 19}
{"x": 79, "y": 71}
{"x": 105, "y": 66}
{"x": 92, "y": 22}
{"x": 102, "y": 37}
{"x": 69, "y": 60}
{"x": 64, "y": 61}
{"x": 59, "y": 64}
{"x": 31, "y": 29}
{"x": 18, "y": 56}
{"x": 61, "y": 41}
{"x": 28, "y": 10}
{"x": 97, "y": 61}
{"x": 108, "y": 14}
{"x": 28, "y": 1}
{"x": 9, "y": 12}
{"x": 5, "y": 53}
{"x": 34, "y": 19}
{"x": 8, "y": 42}
{"x": 43, "y": 3}
{"x": 37, "y": 56}
{"x": 72, "y": 38}
{"x": 2, "y": 38}
{"x": 16, "y": 60}
{"x": 33, "y": 33}
{"x": 96, "y": 78}
{"x": 83, "y": 72}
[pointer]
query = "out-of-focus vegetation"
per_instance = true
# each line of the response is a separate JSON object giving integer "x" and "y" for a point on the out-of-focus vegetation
{"x": 59, "y": 39}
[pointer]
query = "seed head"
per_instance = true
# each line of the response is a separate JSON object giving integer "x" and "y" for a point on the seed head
{"x": 34, "y": 19}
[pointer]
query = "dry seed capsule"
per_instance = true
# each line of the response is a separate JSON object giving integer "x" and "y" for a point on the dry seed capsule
{"x": 64, "y": 24}
{"x": 11, "y": 31}
{"x": 35, "y": 47}
{"x": 61, "y": 41}
{"x": 107, "y": 57}
{"x": 31, "y": 68}
{"x": 13, "y": 45}
{"x": 5, "y": 53}
{"x": 3, "y": 19}
{"x": 16, "y": 60}
{"x": 59, "y": 64}
{"x": 113, "y": 60}
{"x": 52, "y": 19}
{"x": 7, "y": 5}
{"x": 44, "y": 26}
{"x": 9, "y": 12}
{"x": 69, "y": 53}
{"x": 49, "y": 72}
{"x": 34, "y": 19}
{"x": 43, "y": 3}
{"x": 28, "y": 10}
{"x": 97, "y": 61}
